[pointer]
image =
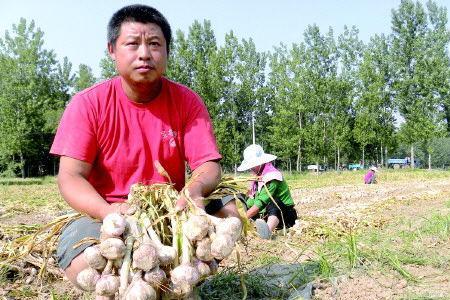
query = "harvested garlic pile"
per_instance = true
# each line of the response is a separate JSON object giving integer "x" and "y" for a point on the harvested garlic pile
{"x": 151, "y": 252}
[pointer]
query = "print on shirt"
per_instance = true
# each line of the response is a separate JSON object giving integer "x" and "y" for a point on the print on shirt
{"x": 169, "y": 135}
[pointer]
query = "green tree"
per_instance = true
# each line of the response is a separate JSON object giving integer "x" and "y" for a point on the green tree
{"x": 321, "y": 70}
{"x": 344, "y": 90}
{"x": 288, "y": 102}
{"x": 227, "y": 126}
{"x": 63, "y": 80}
{"x": 418, "y": 48}
{"x": 374, "y": 108}
{"x": 250, "y": 94}
{"x": 26, "y": 93}
{"x": 180, "y": 64}
{"x": 107, "y": 66}
{"x": 85, "y": 78}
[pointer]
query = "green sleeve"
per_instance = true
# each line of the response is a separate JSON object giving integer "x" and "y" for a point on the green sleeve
{"x": 250, "y": 202}
{"x": 263, "y": 197}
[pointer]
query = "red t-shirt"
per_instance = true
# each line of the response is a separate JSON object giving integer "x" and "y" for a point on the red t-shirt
{"x": 122, "y": 138}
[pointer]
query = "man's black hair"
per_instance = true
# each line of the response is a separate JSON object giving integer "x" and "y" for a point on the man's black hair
{"x": 138, "y": 13}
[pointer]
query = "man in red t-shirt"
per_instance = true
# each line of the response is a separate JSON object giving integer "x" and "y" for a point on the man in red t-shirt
{"x": 111, "y": 134}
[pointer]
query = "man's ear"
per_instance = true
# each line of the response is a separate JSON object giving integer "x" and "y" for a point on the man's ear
{"x": 111, "y": 51}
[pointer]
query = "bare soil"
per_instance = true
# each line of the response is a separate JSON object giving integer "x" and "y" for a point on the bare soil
{"x": 375, "y": 205}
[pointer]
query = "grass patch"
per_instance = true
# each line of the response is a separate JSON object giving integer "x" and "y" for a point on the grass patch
{"x": 227, "y": 285}
{"x": 326, "y": 268}
{"x": 393, "y": 261}
{"x": 266, "y": 259}
{"x": 19, "y": 198}
{"x": 437, "y": 225}
{"x": 20, "y": 181}
{"x": 23, "y": 292}
{"x": 447, "y": 204}
{"x": 409, "y": 240}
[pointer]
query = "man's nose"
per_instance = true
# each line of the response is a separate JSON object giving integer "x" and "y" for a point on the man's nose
{"x": 144, "y": 52}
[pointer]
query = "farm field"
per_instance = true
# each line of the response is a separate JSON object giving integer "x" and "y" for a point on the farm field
{"x": 353, "y": 241}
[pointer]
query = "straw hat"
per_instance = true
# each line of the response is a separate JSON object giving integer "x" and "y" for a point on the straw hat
{"x": 373, "y": 168}
{"x": 254, "y": 156}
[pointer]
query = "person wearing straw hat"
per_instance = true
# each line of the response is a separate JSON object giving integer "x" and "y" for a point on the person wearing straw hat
{"x": 371, "y": 176}
{"x": 269, "y": 199}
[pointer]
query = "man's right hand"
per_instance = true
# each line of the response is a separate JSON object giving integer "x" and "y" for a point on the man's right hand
{"x": 121, "y": 208}
{"x": 182, "y": 203}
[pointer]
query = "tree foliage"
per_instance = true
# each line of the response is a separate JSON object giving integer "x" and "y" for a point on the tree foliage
{"x": 325, "y": 99}
{"x": 27, "y": 91}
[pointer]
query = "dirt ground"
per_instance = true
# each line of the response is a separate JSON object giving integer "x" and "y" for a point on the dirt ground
{"x": 378, "y": 205}
{"x": 353, "y": 203}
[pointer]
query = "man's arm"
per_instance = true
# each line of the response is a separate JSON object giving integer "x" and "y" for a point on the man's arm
{"x": 205, "y": 179}
{"x": 78, "y": 192}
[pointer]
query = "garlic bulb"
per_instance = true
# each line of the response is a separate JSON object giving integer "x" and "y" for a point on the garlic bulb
{"x": 113, "y": 225}
{"x": 145, "y": 257}
{"x": 107, "y": 285}
{"x": 196, "y": 227}
{"x": 203, "y": 250}
{"x": 94, "y": 257}
{"x": 112, "y": 248}
{"x": 87, "y": 279}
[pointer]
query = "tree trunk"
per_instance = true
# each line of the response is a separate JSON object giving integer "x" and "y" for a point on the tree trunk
{"x": 381, "y": 154}
{"x": 338, "y": 158}
{"x": 429, "y": 161}
{"x": 298, "y": 166}
{"x": 317, "y": 165}
{"x": 412, "y": 157}
{"x": 290, "y": 166}
{"x": 22, "y": 165}
{"x": 363, "y": 158}
{"x": 385, "y": 155}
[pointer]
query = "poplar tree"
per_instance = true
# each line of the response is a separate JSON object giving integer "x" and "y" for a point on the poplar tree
{"x": 85, "y": 78}
{"x": 418, "y": 44}
{"x": 26, "y": 93}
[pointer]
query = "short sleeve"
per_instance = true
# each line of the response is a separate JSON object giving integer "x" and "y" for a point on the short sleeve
{"x": 199, "y": 141}
{"x": 75, "y": 136}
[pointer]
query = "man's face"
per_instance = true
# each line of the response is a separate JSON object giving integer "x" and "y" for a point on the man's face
{"x": 140, "y": 52}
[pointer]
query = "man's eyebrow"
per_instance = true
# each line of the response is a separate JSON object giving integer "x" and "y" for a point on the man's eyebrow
{"x": 132, "y": 35}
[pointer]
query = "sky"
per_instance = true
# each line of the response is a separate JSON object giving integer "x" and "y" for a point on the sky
{"x": 77, "y": 29}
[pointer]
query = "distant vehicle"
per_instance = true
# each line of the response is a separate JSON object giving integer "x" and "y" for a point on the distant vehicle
{"x": 352, "y": 167}
{"x": 400, "y": 163}
{"x": 315, "y": 167}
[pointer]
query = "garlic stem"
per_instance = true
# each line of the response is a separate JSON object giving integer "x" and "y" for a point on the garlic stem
{"x": 185, "y": 247}
{"x": 166, "y": 254}
{"x": 108, "y": 269}
{"x": 148, "y": 226}
{"x": 175, "y": 238}
{"x": 125, "y": 269}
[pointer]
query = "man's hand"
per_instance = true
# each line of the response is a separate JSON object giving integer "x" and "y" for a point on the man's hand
{"x": 182, "y": 203}
{"x": 204, "y": 180}
{"x": 121, "y": 208}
